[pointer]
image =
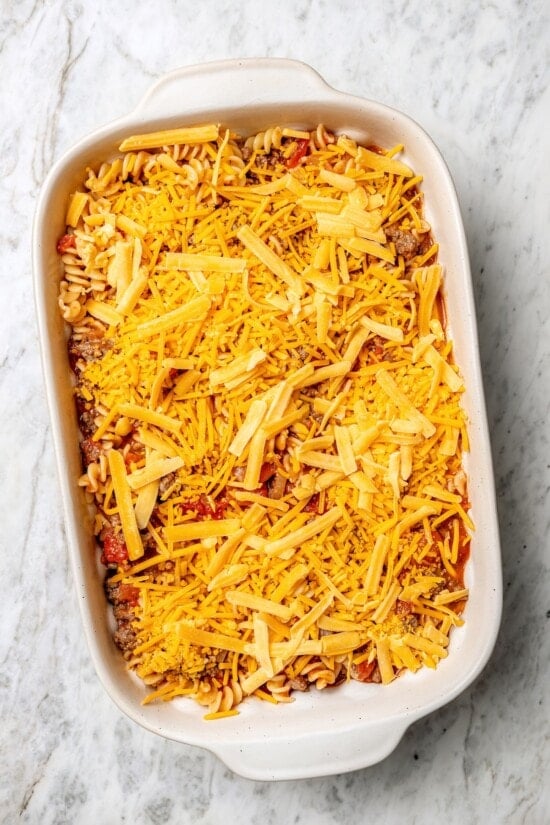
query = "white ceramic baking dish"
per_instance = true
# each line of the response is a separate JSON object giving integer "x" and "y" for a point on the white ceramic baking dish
{"x": 355, "y": 725}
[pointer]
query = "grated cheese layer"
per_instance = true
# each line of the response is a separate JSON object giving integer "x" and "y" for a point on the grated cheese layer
{"x": 270, "y": 409}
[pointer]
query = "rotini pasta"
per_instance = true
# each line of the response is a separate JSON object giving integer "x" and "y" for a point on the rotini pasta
{"x": 271, "y": 424}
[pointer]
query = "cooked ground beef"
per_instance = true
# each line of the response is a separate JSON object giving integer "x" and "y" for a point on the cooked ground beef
{"x": 125, "y": 636}
{"x": 86, "y": 417}
{"x": 90, "y": 451}
{"x": 112, "y": 591}
{"x": 269, "y": 161}
{"x": 90, "y": 349}
{"x": 405, "y": 242}
{"x": 123, "y": 612}
{"x": 299, "y": 683}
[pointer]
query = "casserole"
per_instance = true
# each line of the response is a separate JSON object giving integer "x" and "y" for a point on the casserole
{"x": 322, "y": 731}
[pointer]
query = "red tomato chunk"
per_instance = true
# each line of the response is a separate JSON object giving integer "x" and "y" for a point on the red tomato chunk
{"x": 128, "y": 593}
{"x": 365, "y": 671}
{"x": 203, "y": 508}
{"x": 65, "y": 243}
{"x": 298, "y": 154}
{"x": 114, "y": 548}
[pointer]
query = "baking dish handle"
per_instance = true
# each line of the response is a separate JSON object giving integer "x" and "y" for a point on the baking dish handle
{"x": 316, "y": 755}
{"x": 229, "y": 84}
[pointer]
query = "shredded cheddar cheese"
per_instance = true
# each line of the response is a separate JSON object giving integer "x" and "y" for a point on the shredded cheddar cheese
{"x": 272, "y": 424}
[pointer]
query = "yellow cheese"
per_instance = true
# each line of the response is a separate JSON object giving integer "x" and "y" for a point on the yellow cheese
{"x": 153, "y": 471}
{"x": 276, "y": 185}
{"x": 336, "y": 180}
{"x": 209, "y": 263}
{"x": 335, "y": 370}
{"x": 374, "y": 160}
{"x": 268, "y": 503}
{"x": 272, "y": 261}
{"x": 125, "y": 507}
{"x": 323, "y": 461}
{"x": 383, "y": 330}
{"x": 162, "y": 444}
{"x": 224, "y": 553}
{"x": 130, "y": 227}
{"x": 337, "y": 644}
{"x": 257, "y": 678}
{"x": 345, "y": 450}
{"x": 388, "y": 384}
{"x": 452, "y": 596}
{"x": 387, "y": 603}
{"x": 315, "y": 526}
{"x": 191, "y": 530}
{"x": 368, "y": 247}
{"x": 242, "y": 364}
{"x": 160, "y": 420}
{"x": 257, "y": 603}
{"x": 145, "y": 503}
{"x": 428, "y": 281}
{"x": 120, "y": 268}
{"x": 319, "y": 203}
{"x": 250, "y": 425}
{"x": 255, "y": 460}
{"x": 309, "y": 619}
{"x": 279, "y": 403}
{"x": 425, "y": 645}
{"x": 384, "y": 660}
{"x": 261, "y": 641}
{"x": 230, "y": 575}
{"x": 363, "y": 483}
{"x": 324, "y": 315}
{"x": 448, "y": 375}
{"x": 205, "y": 638}
{"x": 376, "y": 564}
{"x": 77, "y": 202}
{"x": 336, "y": 225}
{"x": 195, "y": 310}
{"x": 103, "y": 312}
{"x": 284, "y": 421}
{"x": 169, "y": 137}
{"x": 132, "y": 293}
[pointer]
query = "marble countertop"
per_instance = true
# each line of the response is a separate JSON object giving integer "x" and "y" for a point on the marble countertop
{"x": 476, "y": 76}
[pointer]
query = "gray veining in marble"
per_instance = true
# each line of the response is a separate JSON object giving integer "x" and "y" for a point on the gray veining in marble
{"x": 476, "y": 76}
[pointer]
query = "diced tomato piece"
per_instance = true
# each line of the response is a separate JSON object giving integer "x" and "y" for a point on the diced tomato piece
{"x": 128, "y": 593}
{"x": 365, "y": 671}
{"x": 298, "y": 154}
{"x": 219, "y": 510}
{"x": 203, "y": 508}
{"x": 313, "y": 504}
{"x": 267, "y": 471}
{"x": 114, "y": 548}
{"x": 132, "y": 457}
{"x": 66, "y": 242}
